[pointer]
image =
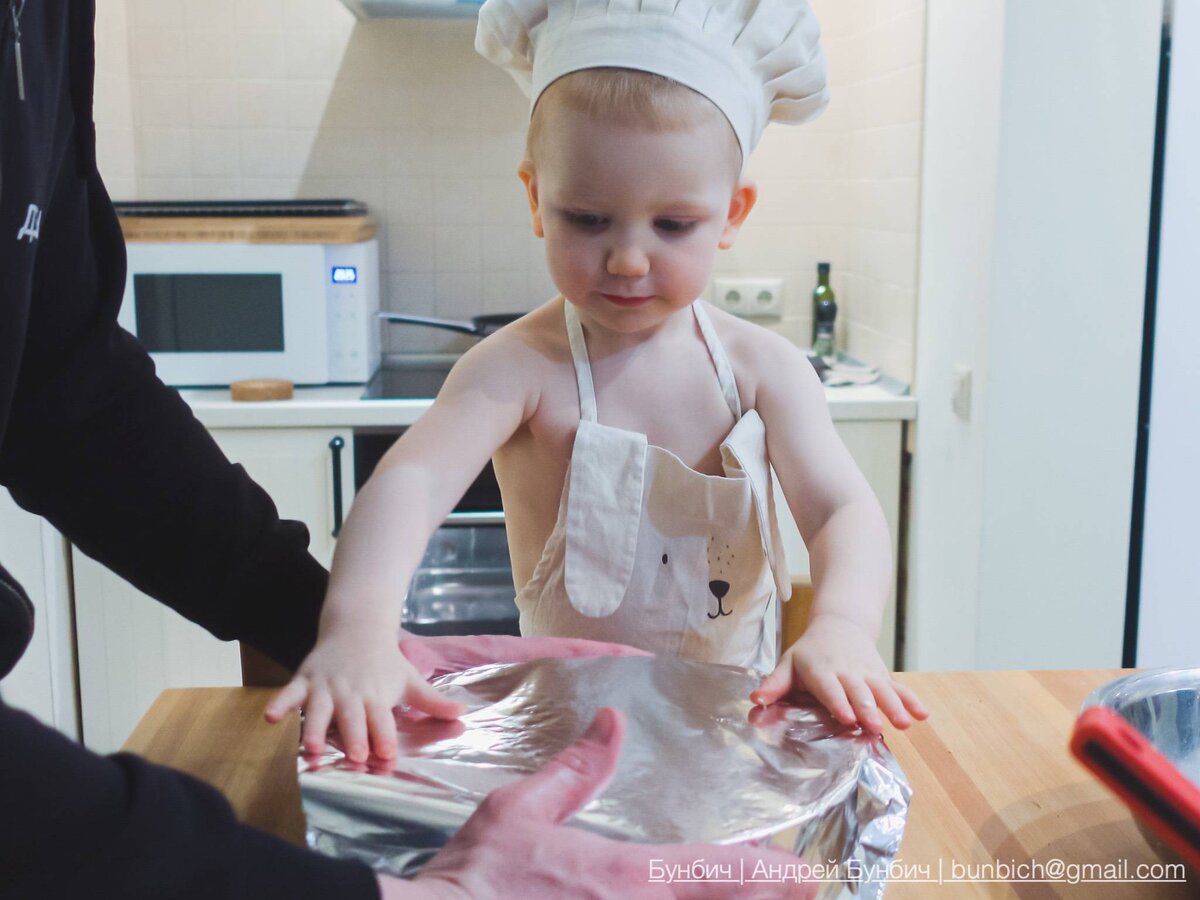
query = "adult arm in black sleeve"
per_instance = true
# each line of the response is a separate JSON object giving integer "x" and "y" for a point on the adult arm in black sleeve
{"x": 76, "y": 824}
{"x": 116, "y": 461}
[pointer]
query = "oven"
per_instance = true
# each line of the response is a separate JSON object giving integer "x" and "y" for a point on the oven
{"x": 464, "y": 583}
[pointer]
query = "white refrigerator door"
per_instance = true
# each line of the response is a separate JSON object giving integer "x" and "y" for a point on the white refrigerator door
{"x": 1169, "y": 613}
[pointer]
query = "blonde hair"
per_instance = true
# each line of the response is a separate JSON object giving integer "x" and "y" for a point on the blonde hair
{"x": 626, "y": 97}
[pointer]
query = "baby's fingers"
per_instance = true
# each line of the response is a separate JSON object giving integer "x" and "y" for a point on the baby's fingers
{"x": 421, "y": 695}
{"x": 352, "y": 727}
{"x": 775, "y": 685}
{"x": 291, "y": 696}
{"x": 316, "y": 720}
{"x": 865, "y": 709}
{"x": 889, "y": 701}
{"x": 381, "y": 723}
{"x": 911, "y": 702}
{"x": 829, "y": 691}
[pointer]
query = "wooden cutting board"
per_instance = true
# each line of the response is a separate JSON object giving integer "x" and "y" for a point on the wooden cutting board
{"x": 248, "y": 230}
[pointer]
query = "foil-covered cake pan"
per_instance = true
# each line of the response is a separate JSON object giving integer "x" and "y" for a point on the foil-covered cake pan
{"x": 699, "y": 762}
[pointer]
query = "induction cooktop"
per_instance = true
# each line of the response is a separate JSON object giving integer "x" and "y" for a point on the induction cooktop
{"x": 417, "y": 377}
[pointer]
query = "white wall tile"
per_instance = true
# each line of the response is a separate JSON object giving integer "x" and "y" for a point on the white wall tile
{"x": 213, "y": 104}
{"x": 262, "y": 104}
{"x": 457, "y": 295}
{"x": 267, "y": 152}
{"x": 456, "y": 248}
{"x": 295, "y": 98}
{"x": 165, "y": 152}
{"x": 158, "y": 54}
{"x": 215, "y": 152}
{"x": 258, "y": 54}
{"x": 210, "y": 54}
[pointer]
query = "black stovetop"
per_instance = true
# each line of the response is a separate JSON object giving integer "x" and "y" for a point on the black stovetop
{"x": 410, "y": 378}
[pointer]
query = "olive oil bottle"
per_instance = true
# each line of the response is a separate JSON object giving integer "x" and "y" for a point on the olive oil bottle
{"x": 824, "y": 314}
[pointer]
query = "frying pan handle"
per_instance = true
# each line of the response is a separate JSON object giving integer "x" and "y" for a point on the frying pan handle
{"x": 450, "y": 324}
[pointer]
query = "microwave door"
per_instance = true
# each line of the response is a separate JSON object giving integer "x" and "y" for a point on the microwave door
{"x": 211, "y": 314}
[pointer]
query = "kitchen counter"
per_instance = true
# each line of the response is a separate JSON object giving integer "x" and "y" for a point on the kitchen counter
{"x": 342, "y": 407}
{"x": 992, "y": 782}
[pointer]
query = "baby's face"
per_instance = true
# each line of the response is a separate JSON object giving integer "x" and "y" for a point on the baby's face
{"x": 633, "y": 219}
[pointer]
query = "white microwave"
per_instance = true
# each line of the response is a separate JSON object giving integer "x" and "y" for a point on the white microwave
{"x": 211, "y": 313}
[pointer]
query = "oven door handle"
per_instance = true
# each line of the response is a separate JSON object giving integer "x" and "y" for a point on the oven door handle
{"x": 476, "y": 518}
{"x": 335, "y": 448}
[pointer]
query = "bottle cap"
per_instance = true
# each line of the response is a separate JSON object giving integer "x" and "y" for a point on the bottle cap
{"x": 822, "y": 268}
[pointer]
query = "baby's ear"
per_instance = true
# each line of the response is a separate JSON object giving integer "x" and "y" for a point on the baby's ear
{"x": 527, "y": 175}
{"x": 745, "y": 193}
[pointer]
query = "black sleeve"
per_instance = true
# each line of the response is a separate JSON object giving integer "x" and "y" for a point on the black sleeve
{"x": 75, "y": 824}
{"x": 116, "y": 461}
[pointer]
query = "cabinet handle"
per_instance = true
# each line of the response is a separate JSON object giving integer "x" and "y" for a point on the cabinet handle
{"x": 335, "y": 447}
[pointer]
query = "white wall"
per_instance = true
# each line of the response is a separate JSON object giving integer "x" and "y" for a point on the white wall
{"x": 1035, "y": 218}
{"x": 1170, "y": 596}
{"x": 262, "y": 98}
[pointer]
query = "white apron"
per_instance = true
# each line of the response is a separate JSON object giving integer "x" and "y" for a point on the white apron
{"x": 647, "y": 551}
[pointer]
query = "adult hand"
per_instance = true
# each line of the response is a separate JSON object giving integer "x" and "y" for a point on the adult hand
{"x": 837, "y": 662}
{"x": 515, "y": 848}
{"x": 434, "y": 656}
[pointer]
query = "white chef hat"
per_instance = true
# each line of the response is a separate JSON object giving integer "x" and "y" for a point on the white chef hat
{"x": 756, "y": 60}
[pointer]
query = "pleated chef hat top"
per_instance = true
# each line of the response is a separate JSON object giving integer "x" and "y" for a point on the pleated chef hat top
{"x": 756, "y": 60}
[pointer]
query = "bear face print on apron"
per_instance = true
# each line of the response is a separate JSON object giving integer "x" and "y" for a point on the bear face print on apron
{"x": 647, "y": 551}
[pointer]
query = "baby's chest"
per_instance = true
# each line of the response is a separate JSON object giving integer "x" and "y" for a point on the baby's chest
{"x": 687, "y": 415}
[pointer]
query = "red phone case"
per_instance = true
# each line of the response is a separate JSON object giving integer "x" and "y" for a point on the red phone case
{"x": 1145, "y": 780}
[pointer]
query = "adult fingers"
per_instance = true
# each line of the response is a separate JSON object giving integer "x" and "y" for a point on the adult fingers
{"x": 566, "y": 783}
{"x": 316, "y": 720}
{"x": 381, "y": 726}
{"x": 289, "y": 697}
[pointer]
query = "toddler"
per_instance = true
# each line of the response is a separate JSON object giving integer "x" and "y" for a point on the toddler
{"x": 633, "y": 427}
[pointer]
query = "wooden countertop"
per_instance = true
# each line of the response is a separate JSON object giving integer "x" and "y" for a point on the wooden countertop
{"x": 991, "y": 776}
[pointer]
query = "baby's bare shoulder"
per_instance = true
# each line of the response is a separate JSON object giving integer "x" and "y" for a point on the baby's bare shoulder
{"x": 755, "y": 352}
{"x": 517, "y": 358}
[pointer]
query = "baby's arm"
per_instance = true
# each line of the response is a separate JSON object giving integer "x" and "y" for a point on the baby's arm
{"x": 849, "y": 550}
{"x": 356, "y": 673}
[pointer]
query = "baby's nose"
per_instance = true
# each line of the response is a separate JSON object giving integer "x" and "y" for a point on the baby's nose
{"x": 628, "y": 261}
{"x": 719, "y": 589}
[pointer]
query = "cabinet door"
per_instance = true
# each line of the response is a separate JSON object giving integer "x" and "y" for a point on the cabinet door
{"x": 43, "y": 682}
{"x": 875, "y": 446}
{"x": 131, "y": 648}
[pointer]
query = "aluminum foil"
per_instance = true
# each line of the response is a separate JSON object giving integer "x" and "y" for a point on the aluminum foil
{"x": 699, "y": 763}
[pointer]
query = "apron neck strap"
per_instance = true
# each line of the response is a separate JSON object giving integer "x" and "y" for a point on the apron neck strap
{"x": 720, "y": 360}
{"x": 583, "y": 368}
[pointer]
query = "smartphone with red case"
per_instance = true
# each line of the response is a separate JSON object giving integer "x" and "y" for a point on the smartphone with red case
{"x": 1145, "y": 780}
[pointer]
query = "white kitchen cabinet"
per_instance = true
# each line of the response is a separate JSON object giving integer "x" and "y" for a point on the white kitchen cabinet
{"x": 876, "y": 445}
{"x": 132, "y": 647}
{"x": 43, "y": 682}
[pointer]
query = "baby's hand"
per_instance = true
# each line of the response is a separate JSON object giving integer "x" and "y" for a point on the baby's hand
{"x": 357, "y": 676}
{"x": 836, "y": 661}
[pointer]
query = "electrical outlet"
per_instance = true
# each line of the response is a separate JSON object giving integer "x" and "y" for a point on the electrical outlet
{"x": 750, "y": 297}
